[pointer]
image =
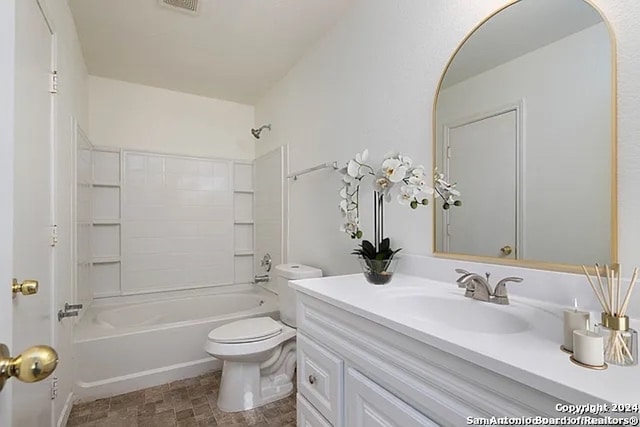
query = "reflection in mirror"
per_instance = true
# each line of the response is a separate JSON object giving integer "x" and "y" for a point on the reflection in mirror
{"x": 524, "y": 123}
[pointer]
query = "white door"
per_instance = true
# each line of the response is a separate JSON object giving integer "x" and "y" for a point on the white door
{"x": 29, "y": 321}
{"x": 482, "y": 159}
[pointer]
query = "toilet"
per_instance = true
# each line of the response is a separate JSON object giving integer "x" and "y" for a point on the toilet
{"x": 259, "y": 354}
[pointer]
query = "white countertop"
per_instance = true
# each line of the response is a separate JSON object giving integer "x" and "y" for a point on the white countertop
{"x": 531, "y": 357}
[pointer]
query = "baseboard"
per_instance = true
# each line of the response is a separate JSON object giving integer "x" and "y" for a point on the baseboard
{"x": 66, "y": 410}
{"x": 88, "y": 391}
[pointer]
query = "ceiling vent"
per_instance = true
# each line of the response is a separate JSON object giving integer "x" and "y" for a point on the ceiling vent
{"x": 190, "y": 6}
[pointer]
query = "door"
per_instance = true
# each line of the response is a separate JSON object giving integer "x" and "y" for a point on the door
{"x": 482, "y": 158}
{"x": 29, "y": 317}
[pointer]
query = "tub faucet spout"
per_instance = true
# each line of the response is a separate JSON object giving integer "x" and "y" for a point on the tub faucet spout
{"x": 262, "y": 278}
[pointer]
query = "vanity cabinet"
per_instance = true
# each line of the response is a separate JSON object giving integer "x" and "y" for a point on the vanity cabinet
{"x": 320, "y": 374}
{"x": 356, "y": 372}
{"x": 369, "y": 405}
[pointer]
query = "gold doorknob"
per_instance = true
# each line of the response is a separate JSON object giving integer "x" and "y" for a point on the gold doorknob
{"x": 34, "y": 364}
{"x": 506, "y": 250}
{"x": 28, "y": 287}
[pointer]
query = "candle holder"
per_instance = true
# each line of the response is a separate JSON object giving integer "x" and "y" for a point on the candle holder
{"x": 620, "y": 341}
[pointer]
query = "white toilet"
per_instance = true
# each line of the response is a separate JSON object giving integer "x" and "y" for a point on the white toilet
{"x": 259, "y": 354}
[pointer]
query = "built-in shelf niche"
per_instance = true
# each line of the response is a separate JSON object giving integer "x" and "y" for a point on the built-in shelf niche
{"x": 243, "y": 238}
{"x": 106, "y": 230}
{"x": 106, "y": 240}
{"x": 106, "y": 204}
{"x": 106, "y": 167}
{"x": 106, "y": 279}
{"x": 243, "y": 177}
{"x": 243, "y": 216}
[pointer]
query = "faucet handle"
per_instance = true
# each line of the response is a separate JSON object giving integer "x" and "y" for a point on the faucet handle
{"x": 461, "y": 278}
{"x": 500, "y": 293}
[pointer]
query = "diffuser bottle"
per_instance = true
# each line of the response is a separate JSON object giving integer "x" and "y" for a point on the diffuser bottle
{"x": 620, "y": 341}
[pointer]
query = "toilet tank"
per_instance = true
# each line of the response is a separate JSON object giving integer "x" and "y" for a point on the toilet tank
{"x": 286, "y": 295}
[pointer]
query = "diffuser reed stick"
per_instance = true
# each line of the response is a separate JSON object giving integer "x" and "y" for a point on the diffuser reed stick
{"x": 595, "y": 291}
{"x": 604, "y": 296}
{"x": 620, "y": 341}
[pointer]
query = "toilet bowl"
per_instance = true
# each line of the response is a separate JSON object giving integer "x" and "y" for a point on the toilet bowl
{"x": 259, "y": 354}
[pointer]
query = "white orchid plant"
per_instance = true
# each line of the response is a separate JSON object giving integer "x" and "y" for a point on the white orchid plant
{"x": 396, "y": 176}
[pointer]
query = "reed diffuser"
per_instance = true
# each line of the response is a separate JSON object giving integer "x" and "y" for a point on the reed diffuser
{"x": 620, "y": 341}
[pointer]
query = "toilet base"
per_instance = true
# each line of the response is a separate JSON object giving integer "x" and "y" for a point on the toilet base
{"x": 248, "y": 385}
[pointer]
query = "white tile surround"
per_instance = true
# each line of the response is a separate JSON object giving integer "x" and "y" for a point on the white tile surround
{"x": 177, "y": 218}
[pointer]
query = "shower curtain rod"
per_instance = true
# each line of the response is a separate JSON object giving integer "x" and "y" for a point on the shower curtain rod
{"x": 295, "y": 175}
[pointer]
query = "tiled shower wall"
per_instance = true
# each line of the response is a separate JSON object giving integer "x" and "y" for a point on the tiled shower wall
{"x": 167, "y": 222}
{"x": 177, "y": 222}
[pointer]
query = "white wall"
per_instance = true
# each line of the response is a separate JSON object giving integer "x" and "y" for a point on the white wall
{"x": 146, "y": 118}
{"x": 566, "y": 91}
{"x": 371, "y": 82}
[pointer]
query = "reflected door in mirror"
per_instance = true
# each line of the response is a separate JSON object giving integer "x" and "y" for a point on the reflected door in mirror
{"x": 481, "y": 155}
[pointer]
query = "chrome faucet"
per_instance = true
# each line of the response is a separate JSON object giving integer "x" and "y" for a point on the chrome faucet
{"x": 70, "y": 310}
{"x": 262, "y": 278}
{"x": 478, "y": 287}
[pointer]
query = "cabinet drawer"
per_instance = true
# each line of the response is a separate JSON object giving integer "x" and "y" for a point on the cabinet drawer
{"x": 308, "y": 416}
{"x": 369, "y": 405}
{"x": 320, "y": 378}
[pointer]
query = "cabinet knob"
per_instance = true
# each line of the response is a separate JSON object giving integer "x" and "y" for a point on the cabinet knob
{"x": 312, "y": 379}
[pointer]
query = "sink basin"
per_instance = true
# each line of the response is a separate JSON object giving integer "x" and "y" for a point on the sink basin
{"x": 463, "y": 314}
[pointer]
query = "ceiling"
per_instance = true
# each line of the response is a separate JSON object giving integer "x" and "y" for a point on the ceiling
{"x": 230, "y": 49}
{"x": 519, "y": 29}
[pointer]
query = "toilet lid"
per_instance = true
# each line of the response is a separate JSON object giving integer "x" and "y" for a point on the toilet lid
{"x": 247, "y": 330}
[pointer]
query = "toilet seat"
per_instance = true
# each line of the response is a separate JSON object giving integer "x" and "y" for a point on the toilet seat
{"x": 231, "y": 349}
{"x": 246, "y": 331}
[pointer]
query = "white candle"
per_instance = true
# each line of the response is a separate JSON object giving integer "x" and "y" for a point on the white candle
{"x": 574, "y": 319}
{"x": 588, "y": 348}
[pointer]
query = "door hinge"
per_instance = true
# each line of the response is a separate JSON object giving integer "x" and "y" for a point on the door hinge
{"x": 54, "y": 235}
{"x": 448, "y": 152}
{"x": 54, "y": 388}
{"x": 53, "y": 83}
{"x": 448, "y": 230}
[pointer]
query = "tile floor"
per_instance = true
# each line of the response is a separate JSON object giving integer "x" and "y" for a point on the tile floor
{"x": 189, "y": 402}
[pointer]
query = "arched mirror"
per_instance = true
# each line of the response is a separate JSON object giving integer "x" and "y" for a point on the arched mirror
{"x": 525, "y": 124}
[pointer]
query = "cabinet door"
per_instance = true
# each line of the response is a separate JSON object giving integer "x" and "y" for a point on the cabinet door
{"x": 308, "y": 416}
{"x": 369, "y": 405}
{"x": 320, "y": 378}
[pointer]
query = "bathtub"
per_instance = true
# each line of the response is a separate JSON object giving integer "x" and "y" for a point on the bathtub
{"x": 128, "y": 346}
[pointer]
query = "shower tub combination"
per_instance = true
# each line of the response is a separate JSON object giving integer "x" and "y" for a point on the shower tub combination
{"x": 126, "y": 347}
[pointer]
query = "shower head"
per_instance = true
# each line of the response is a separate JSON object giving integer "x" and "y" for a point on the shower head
{"x": 256, "y": 132}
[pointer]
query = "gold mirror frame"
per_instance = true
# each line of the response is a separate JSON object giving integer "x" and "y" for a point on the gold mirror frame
{"x": 542, "y": 265}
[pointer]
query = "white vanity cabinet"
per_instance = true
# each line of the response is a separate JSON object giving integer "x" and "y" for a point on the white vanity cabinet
{"x": 355, "y": 372}
{"x": 320, "y": 378}
{"x": 369, "y": 405}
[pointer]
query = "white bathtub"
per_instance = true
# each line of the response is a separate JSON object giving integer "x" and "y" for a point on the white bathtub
{"x": 125, "y": 347}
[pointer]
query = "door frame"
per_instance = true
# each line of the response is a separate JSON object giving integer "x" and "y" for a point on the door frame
{"x": 518, "y": 107}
